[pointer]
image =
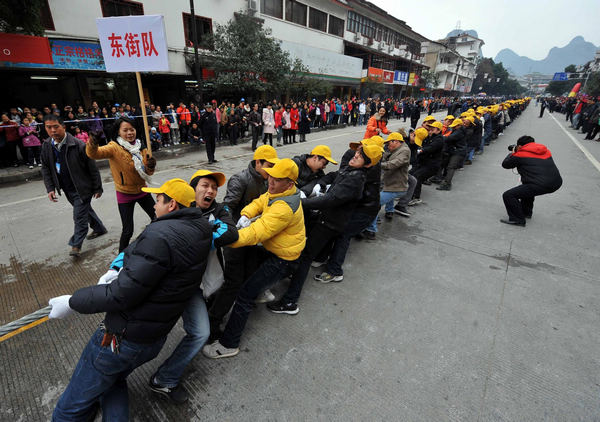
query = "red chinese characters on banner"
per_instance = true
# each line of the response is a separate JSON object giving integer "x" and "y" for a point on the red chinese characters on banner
{"x": 129, "y": 45}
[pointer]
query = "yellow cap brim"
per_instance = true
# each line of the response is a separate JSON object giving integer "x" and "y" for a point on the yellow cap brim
{"x": 331, "y": 160}
{"x": 152, "y": 190}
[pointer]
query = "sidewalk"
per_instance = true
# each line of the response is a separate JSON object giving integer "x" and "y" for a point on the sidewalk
{"x": 22, "y": 174}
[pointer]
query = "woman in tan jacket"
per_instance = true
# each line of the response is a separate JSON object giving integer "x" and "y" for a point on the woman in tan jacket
{"x": 131, "y": 169}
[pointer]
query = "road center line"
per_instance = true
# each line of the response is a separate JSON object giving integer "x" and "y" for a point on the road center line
{"x": 583, "y": 149}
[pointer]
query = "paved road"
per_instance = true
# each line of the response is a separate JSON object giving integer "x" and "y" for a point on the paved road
{"x": 448, "y": 315}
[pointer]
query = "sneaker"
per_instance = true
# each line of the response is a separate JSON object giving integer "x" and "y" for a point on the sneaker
{"x": 280, "y": 307}
{"x": 30, "y": 167}
{"x": 39, "y": 164}
{"x": 217, "y": 351}
{"x": 389, "y": 215}
{"x": 328, "y": 278}
{"x": 401, "y": 211}
{"x": 317, "y": 264}
{"x": 444, "y": 186}
{"x": 265, "y": 297}
{"x": 176, "y": 394}
{"x": 415, "y": 201}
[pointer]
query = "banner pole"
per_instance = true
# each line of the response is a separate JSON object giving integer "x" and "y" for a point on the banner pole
{"x": 144, "y": 116}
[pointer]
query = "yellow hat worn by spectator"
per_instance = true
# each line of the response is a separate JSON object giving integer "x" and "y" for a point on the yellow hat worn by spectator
{"x": 285, "y": 168}
{"x": 323, "y": 151}
{"x": 428, "y": 119}
{"x": 395, "y": 136}
{"x": 267, "y": 153}
{"x": 176, "y": 189}
{"x": 218, "y": 176}
{"x": 437, "y": 125}
{"x": 420, "y": 134}
{"x": 456, "y": 122}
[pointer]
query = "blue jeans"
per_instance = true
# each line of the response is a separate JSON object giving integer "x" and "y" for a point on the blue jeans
{"x": 358, "y": 222}
{"x": 270, "y": 272}
{"x": 470, "y": 153}
{"x": 101, "y": 376}
{"x": 387, "y": 199}
{"x": 197, "y": 330}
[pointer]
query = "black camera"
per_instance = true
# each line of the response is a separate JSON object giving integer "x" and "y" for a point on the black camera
{"x": 512, "y": 147}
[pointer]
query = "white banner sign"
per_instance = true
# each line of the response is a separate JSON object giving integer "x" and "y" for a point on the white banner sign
{"x": 133, "y": 43}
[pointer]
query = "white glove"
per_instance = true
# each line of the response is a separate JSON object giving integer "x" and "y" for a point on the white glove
{"x": 243, "y": 222}
{"x": 326, "y": 188}
{"x": 60, "y": 307}
{"x": 302, "y": 195}
{"x": 316, "y": 190}
{"x": 110, "y": 276}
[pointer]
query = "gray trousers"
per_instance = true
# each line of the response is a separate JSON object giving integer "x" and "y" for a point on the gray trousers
{"x": 412, "y": 184}
{"x": 83, "y": 214}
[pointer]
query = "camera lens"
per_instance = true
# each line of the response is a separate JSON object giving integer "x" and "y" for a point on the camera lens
{"x": 511, "y": 147}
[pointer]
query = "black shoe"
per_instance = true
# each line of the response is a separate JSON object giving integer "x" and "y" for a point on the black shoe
{"x": 426, "y": 182}
{"x": 280, "y": 307}
{"x": 513, "y": 223}
{"x": 215, "y": 161}
{"x": 389, "y": 215}
{"x": 401, "y": 211}
{"x": 529, "y": 216}
{"x": 435, "y": 180}
{"x": 468, "y": 162}
{"x": 176, "y": 394}
{"x": 444, "y": 186}
{"x": 94, "y": 235}
{"x": 369, "y": 235}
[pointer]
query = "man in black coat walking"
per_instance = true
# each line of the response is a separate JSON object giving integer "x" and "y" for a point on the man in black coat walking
{"x": 162, "y": 270}
{"x": 539, "y": 176}
{"x": 208, "y": 125}
{"x": 67, "y": 168}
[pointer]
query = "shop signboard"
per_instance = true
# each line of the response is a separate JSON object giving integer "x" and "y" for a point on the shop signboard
{"x": 375, "y": 74}
{"x": 411, "y": 79}
{"x": 16, "y": 48}
{"x": 400, "y": 78}
{"x": 388, "y": 77}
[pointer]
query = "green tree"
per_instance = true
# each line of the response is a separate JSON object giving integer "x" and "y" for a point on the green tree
{"x": 429, "y": 80}
{"x": 592, "y": 87}
{"x": 558, "y": 88}
{"x": 373, "y": 87}
{"x": 493, "y": 79}
{"x": 571, "y": 68}
{"x": 22, "y": 17}
{"x": 246, "y": 59}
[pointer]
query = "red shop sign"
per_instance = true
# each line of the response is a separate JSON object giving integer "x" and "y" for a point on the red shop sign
{"x": 17, "y": 48}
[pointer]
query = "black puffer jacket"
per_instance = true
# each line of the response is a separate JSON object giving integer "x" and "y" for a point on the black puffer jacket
{"x": 431, "y": 151}
{"x": 456, "y": 142}
{"x": 161, "y": 271}
{"x": 369, "y": 202}
{"x": 305, "y": 174}
{"x": 338, "y": 204}
{"x": 535, "y": 165}
{"x": 243, "y": 188}
{"x": 223, "y": 213}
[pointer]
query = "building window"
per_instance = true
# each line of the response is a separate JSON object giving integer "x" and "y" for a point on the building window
{"x": 272, "y": 8}
{"x": 352, "y": 24}
{"x": 336, "y": 26}
{"x": 295, "y": 12}
{"x": 121, "y": 8}
{"x": 317, "y": 20}
{"x": 203, "y": 30}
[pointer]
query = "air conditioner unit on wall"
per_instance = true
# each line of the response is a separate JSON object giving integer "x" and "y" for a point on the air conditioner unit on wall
{"x": 252, "y": 5}
{"x": 358, "y": 38}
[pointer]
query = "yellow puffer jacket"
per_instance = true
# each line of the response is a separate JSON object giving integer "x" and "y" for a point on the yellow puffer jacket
{"x": 280, "y": 228}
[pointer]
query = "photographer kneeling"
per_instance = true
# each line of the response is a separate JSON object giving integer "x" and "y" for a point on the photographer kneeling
{"x": 539, "y": 176}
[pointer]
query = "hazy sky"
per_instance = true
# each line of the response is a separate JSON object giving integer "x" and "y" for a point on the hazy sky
{"x": 528, "y": 27}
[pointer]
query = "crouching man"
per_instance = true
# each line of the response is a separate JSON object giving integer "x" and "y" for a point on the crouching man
{"x": 142, "y": 305}
{"x": 280, "y": 229}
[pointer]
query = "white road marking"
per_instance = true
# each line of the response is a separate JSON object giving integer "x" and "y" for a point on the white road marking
{"x": 583, "y": 149}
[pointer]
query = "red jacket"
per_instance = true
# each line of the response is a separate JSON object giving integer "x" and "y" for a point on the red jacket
{"x": 294, "y": 117}
{"x": 184, "y": 114}
{"x": 164, "y": 126}
{"x": 278, "y": 115}
{"x": 11, "y": 130}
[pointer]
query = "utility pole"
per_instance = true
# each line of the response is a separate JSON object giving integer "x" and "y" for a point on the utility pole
{"x": 196, "y": 60}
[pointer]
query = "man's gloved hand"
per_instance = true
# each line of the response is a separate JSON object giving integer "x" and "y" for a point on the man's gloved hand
{"x": 316, "y": 190}
{"x": 60, "y": 307}
{"x": 243, "y": 222}
{"x": 150, "y": 162}
{"x": 110, "y": 276}
{"x": 219, "y": 228}
{"x": 302, "y": 195}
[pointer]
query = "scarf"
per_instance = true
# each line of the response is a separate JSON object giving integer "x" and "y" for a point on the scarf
{"x": 138, "y": 162}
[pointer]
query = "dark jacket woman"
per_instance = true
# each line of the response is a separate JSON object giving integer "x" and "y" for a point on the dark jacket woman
{"x": 304, "y": 122}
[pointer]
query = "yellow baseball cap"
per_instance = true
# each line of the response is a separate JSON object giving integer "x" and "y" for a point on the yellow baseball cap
{"x": 428, "y": 118}
{"x": 369, "y": 141}
{"x": 219, "y": 177}
{"x": 395, "y": 136}
{"x": 449, "y": 116}
{"x": 324, "y": 151}
{"x": 470, "y": 119}
{"x": 437, "y": 125}
{"x": 354, "y": 145}
{"x": 464, "y": 114}
{"x": 378, "y": 140}
{"x": 267, "y": 153}
{"x": 285, "y": 168}
{"x": 456, "y": 122}
{"x": 374, "y": 153}
{"x": 420, "y": 134}
{"x": 176, "y": 189}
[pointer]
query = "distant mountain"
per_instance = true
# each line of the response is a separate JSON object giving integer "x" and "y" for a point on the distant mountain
{"x": 577, "y": 52}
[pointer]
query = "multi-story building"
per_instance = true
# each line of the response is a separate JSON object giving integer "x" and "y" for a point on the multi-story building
{"x": 342, "y": 41}
{"x": 454, "y": 60}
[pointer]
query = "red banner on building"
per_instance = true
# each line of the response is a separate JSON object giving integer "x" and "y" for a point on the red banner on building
{"x": 388, "y": 77}
{"x": 375, "y": 74}
{"x": 17, "y": 48}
